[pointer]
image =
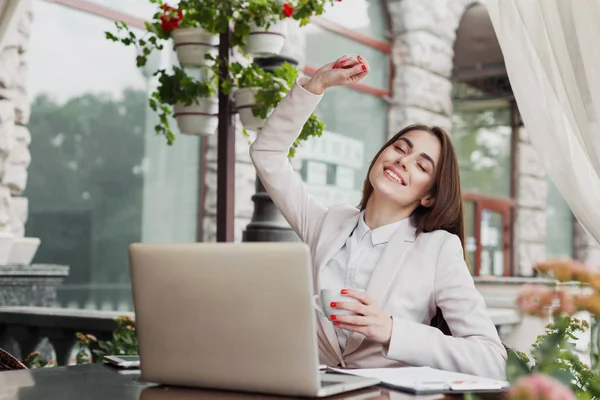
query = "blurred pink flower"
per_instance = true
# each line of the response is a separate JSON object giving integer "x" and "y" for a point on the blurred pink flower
{"x": 539, "y": 387}
{"x": 566, "y": 304}
{"x": 534, "y": 299}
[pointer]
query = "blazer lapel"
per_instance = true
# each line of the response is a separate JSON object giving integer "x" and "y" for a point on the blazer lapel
{"x": 384, "y": 274}
{"x": 325, "y": 253}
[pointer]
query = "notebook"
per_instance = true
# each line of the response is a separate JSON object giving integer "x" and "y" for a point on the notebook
{"x": 426, "y": 380}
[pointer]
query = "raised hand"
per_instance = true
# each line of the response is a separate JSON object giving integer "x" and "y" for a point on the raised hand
{"x": 344, "y": 71}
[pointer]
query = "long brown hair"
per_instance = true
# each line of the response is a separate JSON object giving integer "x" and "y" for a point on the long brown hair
{"x": 447, "y": 211}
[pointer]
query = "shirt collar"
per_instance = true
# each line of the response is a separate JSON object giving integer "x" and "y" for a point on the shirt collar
{"x": 383, "y": 233}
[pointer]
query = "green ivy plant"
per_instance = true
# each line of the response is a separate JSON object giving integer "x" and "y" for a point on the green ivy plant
{"x": 215, "y": 16}
{"x": 272, "y": 88}
{"x": 177, "y": 87}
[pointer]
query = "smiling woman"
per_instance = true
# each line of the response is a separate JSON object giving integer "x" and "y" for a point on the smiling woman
{"x": 423, "y": 161}
{"x": 400, "y": 254}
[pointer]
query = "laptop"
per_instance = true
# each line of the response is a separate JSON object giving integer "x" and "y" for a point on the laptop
{"x": 234, "y": 316}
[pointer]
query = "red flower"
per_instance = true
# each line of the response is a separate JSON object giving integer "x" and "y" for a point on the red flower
{"x": 288, "y": 10}
{"x": 171, "y": 19}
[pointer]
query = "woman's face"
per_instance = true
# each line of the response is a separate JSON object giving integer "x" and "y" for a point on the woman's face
{"x": 405, "y": 171}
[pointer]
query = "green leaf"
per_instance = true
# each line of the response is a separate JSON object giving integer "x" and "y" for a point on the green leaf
{"x": 564, "y": 377}
{"x": 111, "y": 37}
{"x": 516, "y": 367}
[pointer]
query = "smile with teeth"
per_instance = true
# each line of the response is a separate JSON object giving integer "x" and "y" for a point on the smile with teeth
{"x": 397, "y": 178}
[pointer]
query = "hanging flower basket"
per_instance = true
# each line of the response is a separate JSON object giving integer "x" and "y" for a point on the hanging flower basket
{"x": 199, "y": 118}
{"x": 244, "y": 103}
{"x": 265, "y": 42}
{"x": 259, "y": 29}
{"x": 193, "y": 44}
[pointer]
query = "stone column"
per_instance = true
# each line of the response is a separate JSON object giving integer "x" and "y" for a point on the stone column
{"x": 14, "y": 116}
{"x": 531, "y": 208}
{"x": 423, "y": 49}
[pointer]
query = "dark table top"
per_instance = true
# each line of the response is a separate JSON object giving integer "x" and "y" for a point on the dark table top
{"x": 96, "y": 381}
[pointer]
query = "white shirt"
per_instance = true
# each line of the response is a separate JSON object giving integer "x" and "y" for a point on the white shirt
{"x": 351, "y": 267}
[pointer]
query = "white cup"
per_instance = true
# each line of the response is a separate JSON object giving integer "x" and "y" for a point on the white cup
{"x": 323, "y": 300}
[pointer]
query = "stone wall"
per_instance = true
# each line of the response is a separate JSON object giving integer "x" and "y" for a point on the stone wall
{"x": 423, "y": 40}
{"x": 530, "y": 235}
{"x": 14, "y": 116}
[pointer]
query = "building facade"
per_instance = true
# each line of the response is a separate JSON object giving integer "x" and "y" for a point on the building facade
{"x": 100, "y": 179}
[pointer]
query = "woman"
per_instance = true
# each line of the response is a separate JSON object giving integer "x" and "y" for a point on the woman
{"x": 400, "y": 254}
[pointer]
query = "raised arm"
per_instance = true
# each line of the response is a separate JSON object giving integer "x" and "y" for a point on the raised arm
{"x": 474, "y": 346}
{"x": 269, "y": 151}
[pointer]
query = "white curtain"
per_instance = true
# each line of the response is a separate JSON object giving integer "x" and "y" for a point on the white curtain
{"x": 552, "y": 53}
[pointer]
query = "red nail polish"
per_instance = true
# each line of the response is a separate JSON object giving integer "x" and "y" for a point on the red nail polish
{"x": 344, "y": 291}
{"x": 342, "y": 62}
{"x": 335, "y": 66}
{"x": 360, "y": 58}
{"x": 364, "y": 67}
{"x": 333, "y": 317}
{"x": 336, "y": 323}
{"x": 333, "y": 304}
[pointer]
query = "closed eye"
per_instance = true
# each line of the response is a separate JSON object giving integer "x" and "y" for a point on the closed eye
{"x": 422, "y": 169}
{"x": 400, "y": 149}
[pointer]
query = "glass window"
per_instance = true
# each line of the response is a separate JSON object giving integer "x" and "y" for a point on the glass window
{"x": 335, "y": 165}
{"x": 323, "y": 47}
{"x": 482, "y": 137}
{"x": 100, "y": 178}
{"x": 363, "y": 16}
{"x": 559, "y": 224}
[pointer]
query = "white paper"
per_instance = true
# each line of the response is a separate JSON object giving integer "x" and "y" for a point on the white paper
{"x": 426, "y": 378}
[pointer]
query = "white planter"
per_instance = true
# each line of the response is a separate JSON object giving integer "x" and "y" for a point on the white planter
{"x": 263, "y": 42}
{"x": 244, "y": 101}
{"x": 23, "y": 250}
{"x": 6, "y": 244}
{"x": 199, "y": 118}
{"x": 192, "y": 44}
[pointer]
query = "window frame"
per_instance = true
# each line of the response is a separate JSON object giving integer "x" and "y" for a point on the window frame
{"x": 506, "y": 206}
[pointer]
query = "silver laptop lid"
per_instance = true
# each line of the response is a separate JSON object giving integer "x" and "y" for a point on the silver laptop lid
{"x": 224, "y": 315}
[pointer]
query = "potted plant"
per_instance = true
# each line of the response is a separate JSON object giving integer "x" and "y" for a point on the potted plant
{"x": 247, "y": 82}
{"x": 260, "y": 26}
{"x": 192, "y": 102}
{"x": 194, "y": 30}
{"x": 258, "y": 92}
{"x": 258, "y": 29}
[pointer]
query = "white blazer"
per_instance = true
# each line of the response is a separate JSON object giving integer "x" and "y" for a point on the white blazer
{"x": 413, "y": 276}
